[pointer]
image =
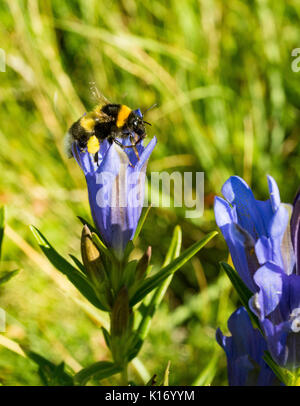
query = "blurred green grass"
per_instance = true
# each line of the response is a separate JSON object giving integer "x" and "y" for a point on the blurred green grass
{"x": 228, "y": 103}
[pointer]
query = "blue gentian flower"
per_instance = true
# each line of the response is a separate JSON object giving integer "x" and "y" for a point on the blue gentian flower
{"x": 253, "y": 229}
{"x": 116, "y": 189}
{"x": 244, "y": 350}
{"x": 277, "y": 303}
{"x": 264, "y": 242}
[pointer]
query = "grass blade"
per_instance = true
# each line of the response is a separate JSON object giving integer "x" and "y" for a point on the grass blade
{"x": 2, "y": 225}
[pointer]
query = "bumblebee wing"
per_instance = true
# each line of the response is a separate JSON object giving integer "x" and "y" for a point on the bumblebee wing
{"x": 97, "y": 95}
{"x": 102, "y": 117}
{"x": 68, "y": 140}
{"x": 106, "y": 118}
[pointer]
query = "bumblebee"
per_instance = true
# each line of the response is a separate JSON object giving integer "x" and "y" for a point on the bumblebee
{"x": 106, "y": 121}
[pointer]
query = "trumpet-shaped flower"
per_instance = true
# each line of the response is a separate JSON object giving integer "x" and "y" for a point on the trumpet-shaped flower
{"x": 254, "y": 230}
{"x": 264, "y": 242}
{"x": 277, "y": 303}
{"x": 116, "y": 189}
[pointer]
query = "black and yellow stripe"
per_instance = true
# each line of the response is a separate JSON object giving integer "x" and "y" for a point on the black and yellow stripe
{"x": 123, "y": 115}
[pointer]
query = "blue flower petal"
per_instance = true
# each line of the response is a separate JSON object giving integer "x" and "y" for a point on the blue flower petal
{"x": 146, "y": 154}
{"x": 254, "y": 230}
{"x": 269, "y": 279}
{"x": 244, "y": 350}
{"x": 224, "y": 214}
{"x": 243, "y": 259}
{"x": 263, "y": 250}
{"x": 274, "y": 193}
{"x": 292, "y": 292}
{"x": 276, "y": 336}
{"x": 295, "y": 231}
{"x": 84, "y": 160}
{"x": 279, "y": 223}
{"x": 237, "y": 192}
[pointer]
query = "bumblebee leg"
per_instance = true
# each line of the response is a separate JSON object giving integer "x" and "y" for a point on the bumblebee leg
{"x": 118, "y": 143}
{"x": 134, "y": 147}
{"x": 139, "y": 140}
{"x": 122, "y": 146}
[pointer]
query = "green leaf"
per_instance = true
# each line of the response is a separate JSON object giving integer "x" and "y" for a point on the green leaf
{"x": 101, "y": 246}
{"x": 106, "y": 336}
{"x": 282, "y": 374}
{"x": 98, "y": 370}
{"x": 141, "y": 223}
{"x": 50, "y": 373}
{"x": 153, "y": 282}
{"x": 207, "y": 375}
{"x": 78, "y": 263}
{"x": 84, "y": 222}
{"x": 6, "y": 276}
{"x": 152, "y": 381}
{"x": 129, "y": 273}
{"x": 244, "y": 293}
{"x": 2, "y": 225}
{"x": 78, "y": 279}
{"x": 175, "y": 246}
{"x": 149, "y": 310}
{"x": 128, "y": 249}
{"x": 165, "y": 381}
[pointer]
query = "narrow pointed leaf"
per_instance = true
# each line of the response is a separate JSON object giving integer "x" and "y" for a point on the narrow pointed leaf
{"x": 174, "y": 248}
{"x": 282, "y": 374}
{"x": 165, "y": 381}
{"x": 149, "y": 310}
{"x": 50, "y": 373}
{"x": 78, "y": 263}
{"x": 78, "y": 279}
{"x": 6, "y": 276}
{"x": 87, "y": 223}
{"x": 98, "y": 370}
{"x": 153, "y": 282}
{"x": 244, "y": 293}
{"x": 141, "y": 223}
{"x": 242, "y": 290}
{"x": 106, "y": 336}
{"x": 102, "y": 248}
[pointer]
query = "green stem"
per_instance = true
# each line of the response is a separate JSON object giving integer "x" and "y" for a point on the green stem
{"x": 124, "y": 376}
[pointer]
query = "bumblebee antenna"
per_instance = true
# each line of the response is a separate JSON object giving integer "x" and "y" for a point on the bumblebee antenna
{"x": 146, "y": 122}
{"x": 150, "y": 108}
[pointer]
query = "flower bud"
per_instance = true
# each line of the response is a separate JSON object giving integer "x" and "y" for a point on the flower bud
{"x": 120, "y": 314}
{"x": 91, "y": 257}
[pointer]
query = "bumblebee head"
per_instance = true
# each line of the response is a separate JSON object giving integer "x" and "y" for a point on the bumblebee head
{"x": 136, "y": 124}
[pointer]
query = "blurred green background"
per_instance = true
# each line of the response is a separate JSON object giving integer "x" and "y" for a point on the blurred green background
{"x": 228, "y": 103}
